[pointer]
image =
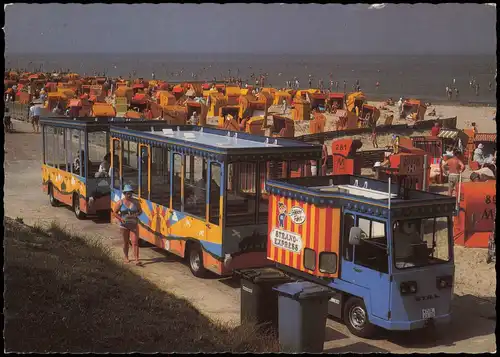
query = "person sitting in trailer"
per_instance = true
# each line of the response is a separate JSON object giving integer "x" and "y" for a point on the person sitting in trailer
{"x": 76, "y": 163}
{"x": 479, "y": 156}
{"x": 104, "y": 167}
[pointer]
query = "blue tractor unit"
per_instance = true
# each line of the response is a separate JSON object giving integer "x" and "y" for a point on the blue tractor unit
{"x": 386, "y": 251}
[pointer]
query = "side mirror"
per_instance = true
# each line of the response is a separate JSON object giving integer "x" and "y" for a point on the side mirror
{"x": 355, "y": 235}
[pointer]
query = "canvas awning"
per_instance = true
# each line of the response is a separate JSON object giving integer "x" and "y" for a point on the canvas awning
{"x": 448, "y": 134}
{"x": 138, "y": 86}
{"x": 485, "y": 137}
{"x": 318, "y": 96}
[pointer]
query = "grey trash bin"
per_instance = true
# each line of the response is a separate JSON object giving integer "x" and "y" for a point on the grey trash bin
{"x": 259, "y": 302}
{"x": 303, "y": 310}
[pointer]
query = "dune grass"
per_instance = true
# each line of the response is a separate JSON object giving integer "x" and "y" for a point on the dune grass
{"x": 67, "y": 294}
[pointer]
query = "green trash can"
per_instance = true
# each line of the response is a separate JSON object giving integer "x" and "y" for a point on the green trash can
{"x": 303, "y": 310}
{"x": 259, "y": 302}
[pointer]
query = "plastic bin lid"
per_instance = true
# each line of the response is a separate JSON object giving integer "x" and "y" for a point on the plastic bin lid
{"x": 262, "y": 275}
{"x": 303, "y": 290}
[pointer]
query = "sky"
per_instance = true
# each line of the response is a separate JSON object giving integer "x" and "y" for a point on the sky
{"x": 251, "y": 28}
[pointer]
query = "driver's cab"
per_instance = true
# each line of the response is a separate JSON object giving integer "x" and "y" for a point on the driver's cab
{"x": 405, "y": 262}
{"x": 386, "y": 250}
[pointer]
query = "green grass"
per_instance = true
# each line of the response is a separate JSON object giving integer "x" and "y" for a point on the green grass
{"x": 65, "y": 294}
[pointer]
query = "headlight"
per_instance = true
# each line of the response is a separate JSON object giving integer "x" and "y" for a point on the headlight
{"x": 409, "y": 287}
{"x": 444, "y": 282}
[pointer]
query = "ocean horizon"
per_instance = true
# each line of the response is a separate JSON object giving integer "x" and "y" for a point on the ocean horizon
{"x": 421, "y": 76}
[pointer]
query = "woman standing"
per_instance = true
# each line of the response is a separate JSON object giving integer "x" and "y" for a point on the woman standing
{"x": 127, "y": 211}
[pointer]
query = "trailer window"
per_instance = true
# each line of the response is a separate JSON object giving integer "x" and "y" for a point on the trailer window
{"x": 195, "y": 186}
{"x": 241, "y": 194}
{"x": 48, "y": 133}
{"x": 59, "y": 149}
{"x": 372, "y": 250}
{"x": 421, "y": 242}
{"x": 214, "y": 202}
{"x": 117, "y": 154}
{"x": 328, "y": 262}
{"x": 347, "y": 248}
{"x": 97, "y": 141}
{"x": 130, "y": 164}
{"x": 309, "y": 259}
{"x": 176, "y": 190}
{"x": 77, "y": 145}
{"x": 144, "y": 182}
{"x": 268, "y": 170}
{"x": 160, "y": 176}
{"x": 68, "y": 147}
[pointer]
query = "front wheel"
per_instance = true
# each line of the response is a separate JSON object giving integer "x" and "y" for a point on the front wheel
{"x": 76, "y": 207}
{"x": 356, "y": 318}
{"x": 195, "y": 260}
{"x": 52, "y": 199}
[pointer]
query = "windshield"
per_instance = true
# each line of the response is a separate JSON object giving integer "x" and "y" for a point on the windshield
{"x": 421, "y": 242}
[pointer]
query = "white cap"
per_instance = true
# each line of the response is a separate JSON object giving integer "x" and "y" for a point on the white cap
{"x": 480, "y": 146}
{"x": 449, "y": 153}
{"x": 377, "y": 164}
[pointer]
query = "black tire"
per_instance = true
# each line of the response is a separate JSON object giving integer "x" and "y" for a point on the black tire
{"x": 195, "y": 260}
{"x": 356, "y": 318}
{"x": 52, "y": 199}
{"x": 76, "y": 207}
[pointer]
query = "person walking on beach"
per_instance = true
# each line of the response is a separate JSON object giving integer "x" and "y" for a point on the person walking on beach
{"x": 331, "y": 85}
{"x": 435, "y": 130}
{"x": 374, "y": 135}
{"x": 345, "y": 86}
{"x": 35, "y": 110}
{"x": 400, "y": 106}
{"x": 456, "y": 93}
{"x": 455, "y": 167}
{"x": 127, "y": 211}
{"x": 474, "y": 127}
{"x": 310, "y": 81}
{"x": 284, "y": 106}
{"x": 477, "y": 89}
